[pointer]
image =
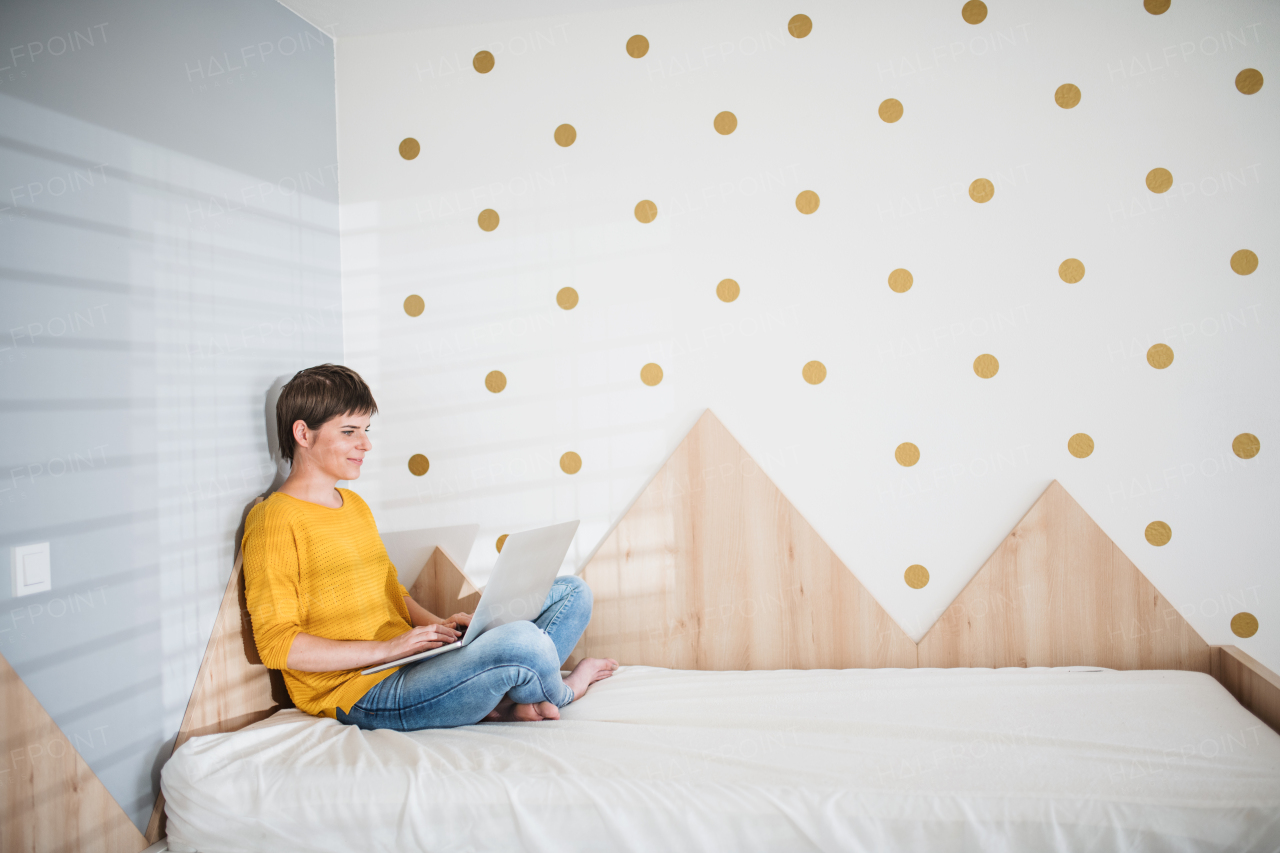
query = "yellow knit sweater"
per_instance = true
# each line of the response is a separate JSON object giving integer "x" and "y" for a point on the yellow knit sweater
{"x": 325, "y": 572}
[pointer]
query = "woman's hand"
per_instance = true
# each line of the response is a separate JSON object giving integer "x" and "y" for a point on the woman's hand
{"x": 457, "y": 619}
{"x": 420, "y": 639}
{"x": 317, "y": 654}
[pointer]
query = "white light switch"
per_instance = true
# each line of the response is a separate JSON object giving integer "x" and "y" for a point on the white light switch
{"x": 29, "y": 565}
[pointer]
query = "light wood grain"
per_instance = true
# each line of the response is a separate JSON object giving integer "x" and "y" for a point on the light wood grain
{"x": 1058, "y": 592}
{"x": 1254, "y": 686}
{"x": 233, "y": 687}
{"x": 51, "y": 800}
{"x": 438, "y": 585}
{"x": 712, "y": 568}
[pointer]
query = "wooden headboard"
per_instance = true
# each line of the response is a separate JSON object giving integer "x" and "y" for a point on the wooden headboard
{"x": 713, "y": 568}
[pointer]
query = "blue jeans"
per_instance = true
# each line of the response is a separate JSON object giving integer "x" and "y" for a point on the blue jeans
{"x": 520, "y": 660}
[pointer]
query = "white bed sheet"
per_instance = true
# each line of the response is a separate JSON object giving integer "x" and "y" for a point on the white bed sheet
{"x": 942, "y": 760}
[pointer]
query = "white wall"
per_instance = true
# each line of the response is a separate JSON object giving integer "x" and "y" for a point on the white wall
{"x": 1158, "y": 91}
{"x": 168, "y": 248}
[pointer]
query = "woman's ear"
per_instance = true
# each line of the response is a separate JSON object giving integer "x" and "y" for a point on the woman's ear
{"x": 300, "y": 432}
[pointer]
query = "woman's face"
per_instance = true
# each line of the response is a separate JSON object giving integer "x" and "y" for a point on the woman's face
{"x": 337, "y": 448}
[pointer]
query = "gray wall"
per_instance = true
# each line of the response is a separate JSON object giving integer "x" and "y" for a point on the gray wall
{"x": 168, "y": 250}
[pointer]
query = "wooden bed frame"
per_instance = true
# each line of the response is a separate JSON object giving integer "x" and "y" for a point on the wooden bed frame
{"x": 700, "y": 573}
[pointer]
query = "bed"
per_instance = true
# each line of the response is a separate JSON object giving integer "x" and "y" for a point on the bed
{"x": 766, "y": 701}
{"x": 1043, "y": 759}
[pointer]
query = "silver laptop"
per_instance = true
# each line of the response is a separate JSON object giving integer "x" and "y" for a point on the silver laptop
{"x": 517, "y": 587}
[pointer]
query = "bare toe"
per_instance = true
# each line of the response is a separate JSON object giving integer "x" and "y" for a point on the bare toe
{"x": 548, "y": 710}
{"x": 588, "y": 672}
{"x": 524, "y": 713}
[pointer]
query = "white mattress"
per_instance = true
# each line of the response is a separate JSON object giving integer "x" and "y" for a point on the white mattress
{"x": 833, "y": 760}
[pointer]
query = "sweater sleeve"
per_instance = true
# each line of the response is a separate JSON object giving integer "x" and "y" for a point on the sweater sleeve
{"x": 271, "y": 581}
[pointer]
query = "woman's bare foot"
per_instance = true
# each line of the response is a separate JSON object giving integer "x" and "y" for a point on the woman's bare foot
{"x": 588, "y": 672}
{"x": 509, "y": 712}
{"x": 533, "y": 713}
{"x": 496, "y": 715}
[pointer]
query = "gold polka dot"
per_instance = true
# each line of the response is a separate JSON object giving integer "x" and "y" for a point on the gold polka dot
{"x": 565, "y": 135}
{"x": 807, "y": 202}
{"x": 409, "y": 148}
{"x": 814, "y": 372}
{"x": 982, "y": 191}
{"x": 1156, "y": 7}
{"x": 1158, "y": 533}
{"x": 646, "y": 211}
{"x": 1246, "y": 445}
{"x": 651, "y": 374}
{"x": 907, "y": 454}
{"x": 1249, "y": 81}
{"x": 495, "y": 380}
{"x": 637, "y": 46}
{"x": 418, "y": 464}
{"x": 916, "y": 576}
{"x": 1080, "y": 445}
{"x": 890, "y": 110}
{"x": 1244, "y": 262}
{"x": 502, "y": 540}
{"x": 566, "y": 298}
{"x": 1160, "y": 356}
{"x": 488, "y": 219}
{"x": 1071, "y": 270}
{"x": 571, "y": 463}
{"x": 1067, "y": 95}
{"x": 725, "y": 123}
{"x": 900, "y": 281}
{"x": 413, "y": 305}
{"x": 1159, "y": 180}
{"x": 1244, "y": 625}
{"x": 800, "y": 26}
{"x": 986, "y": 365}
{"x": 728, "y": 290}
{"x": 974, "y": 12}
{"x": 483, "y": 62}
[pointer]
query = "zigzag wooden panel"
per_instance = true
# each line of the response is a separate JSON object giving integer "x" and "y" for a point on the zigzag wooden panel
{"x": 1058, "y": 592}
{"x": 51, "y": 800}
{"x": 713, "y": 568}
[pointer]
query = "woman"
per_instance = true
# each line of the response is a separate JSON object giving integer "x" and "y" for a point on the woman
{"x": 326, "y": 603}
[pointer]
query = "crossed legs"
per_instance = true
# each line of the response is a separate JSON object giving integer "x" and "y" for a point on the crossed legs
{"x": 511, "y": 672}
{"x": 564, "y": 617}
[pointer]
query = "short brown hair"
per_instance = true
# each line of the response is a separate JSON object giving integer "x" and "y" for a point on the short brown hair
{"x": 316, "y": 395}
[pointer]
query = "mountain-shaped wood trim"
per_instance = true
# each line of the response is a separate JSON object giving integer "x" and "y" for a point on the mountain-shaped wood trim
{"x": 1059, "y": 592}
{"x": 712, "y": 568}
{"x": 51, "y": 799}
